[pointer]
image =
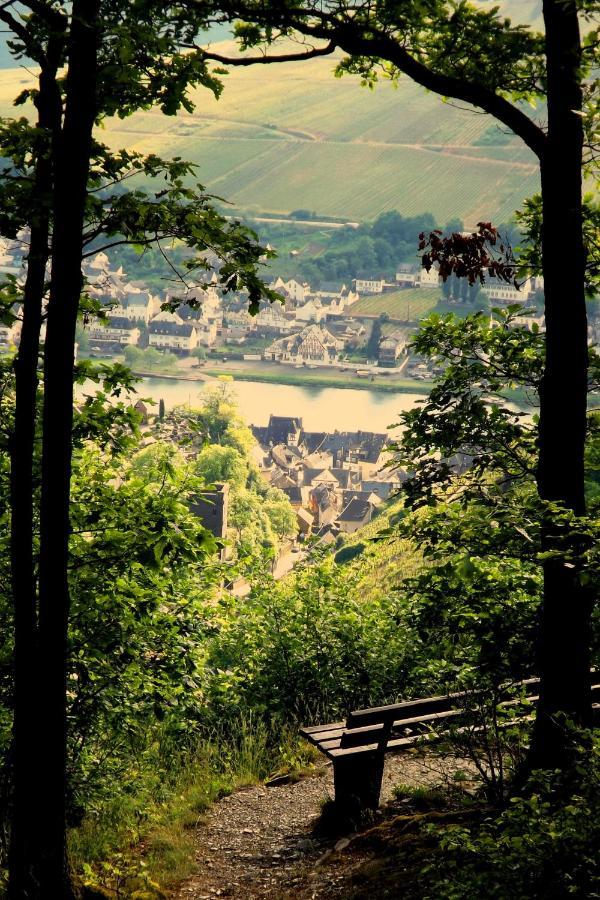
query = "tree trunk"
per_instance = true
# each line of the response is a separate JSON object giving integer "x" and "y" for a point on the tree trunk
{"x": 71, "y": 177}
{"x": 24, "y": 844}
{"x": 565, "y": 627}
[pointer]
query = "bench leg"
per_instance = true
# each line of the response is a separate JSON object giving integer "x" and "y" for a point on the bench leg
{"x": 357, "y": 783}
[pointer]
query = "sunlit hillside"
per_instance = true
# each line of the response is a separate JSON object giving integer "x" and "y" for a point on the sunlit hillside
{"x": 289, "y": 136}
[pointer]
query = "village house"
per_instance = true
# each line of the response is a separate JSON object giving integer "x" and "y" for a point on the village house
{"x": 428, "y": 279}
{"x": 364, "y": 448}
{"x": 391, "y": 349}
{"x": 369, "y": 285}
{"x": 167, "y": 331}
{"x": 314, "y": 344}
{"x": 280, "y": 430}
{"x": 238, "y": 318}
{"x": 273, "y": 319}
{"x": 305, "y": 520}
{"x": 412, "y": 276}
{"x": 136, "y": 305}
{"x": 500, "y": 291}
{"x": 312, "y": 311}
{"x": 206, "y": 325}
{"x": 318, "y": 459}
{"x": 381, "y": 489}
{"x": 209, "y": 303}
{"x": 335, "y": 296}
{"x": 296, "y": 292}
{"x": 336, "y": 308}
{"x": 330, "y": 290}
{"x": 113, "y": 332}
{"x": 407, "y": 276}
{"x": 336, "y": 477}
{"x": 324, "y": 504}
{"x": 351, "y": 332}
{"x": 355, "y": 515}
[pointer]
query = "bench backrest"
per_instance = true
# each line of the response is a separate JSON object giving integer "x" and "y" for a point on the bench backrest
{"x": 410, "y": 709}
{"x": 400, "y": 725}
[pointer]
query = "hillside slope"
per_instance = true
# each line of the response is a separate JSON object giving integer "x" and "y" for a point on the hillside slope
{"x": 293, "y": 136}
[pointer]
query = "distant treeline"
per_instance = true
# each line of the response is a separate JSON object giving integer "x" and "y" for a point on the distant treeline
{"x": 373, "y": 249}
{"x": 369, "y": 250}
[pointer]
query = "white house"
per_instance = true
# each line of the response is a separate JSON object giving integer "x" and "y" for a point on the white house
{"x": 168, "y": 331}
{"x": 428, "y": 279}
{"x": 390, "y": 349}
{"x": 406, "y": 276}
{"x": 114, "y": 331}
{"x": 239, "y": 318}
{"x": 206, "y": 332}
{"x": 311, "y": 311}
{"x": 273, "y": 316}
{"x": 136, "y": 305}
{"x": 507, "y": 293}
{"x": 313, "y": 344}
{"x": 297, "y": 292}
{"x": 369, "y": 285}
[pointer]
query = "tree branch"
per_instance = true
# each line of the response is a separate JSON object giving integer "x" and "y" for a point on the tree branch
{"x": 283, "y": 57}
{"x": 387, "y": 48}
{"x": 363, "y": 39}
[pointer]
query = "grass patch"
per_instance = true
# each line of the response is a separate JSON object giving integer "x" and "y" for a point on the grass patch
{"x": 141, "y": 839}
{"x": 421, "y": 798}
{"x": 341, "y": 380}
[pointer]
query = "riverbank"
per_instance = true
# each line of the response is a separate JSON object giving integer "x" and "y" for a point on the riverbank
{"x": 325, "y": 380}
{"x": 386, "y": 381}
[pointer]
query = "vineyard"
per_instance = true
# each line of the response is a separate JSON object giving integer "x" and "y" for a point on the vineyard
{"x": 406, "y": 305}
{"x": 292, "y": 136}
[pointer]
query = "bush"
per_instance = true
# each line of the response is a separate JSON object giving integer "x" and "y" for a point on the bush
{"x": 545, "y": 845}
{"x": 308, "y": 648}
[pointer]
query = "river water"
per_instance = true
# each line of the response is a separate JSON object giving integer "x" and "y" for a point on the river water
{"x": 321, "y": 409}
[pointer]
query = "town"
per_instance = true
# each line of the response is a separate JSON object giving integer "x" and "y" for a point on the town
{"x": 361, "y": 328}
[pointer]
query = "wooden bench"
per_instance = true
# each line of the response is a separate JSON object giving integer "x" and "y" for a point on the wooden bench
{"x": 358, "y": 746}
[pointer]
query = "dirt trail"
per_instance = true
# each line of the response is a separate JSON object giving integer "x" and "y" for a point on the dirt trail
{"x": 258, "y": 842}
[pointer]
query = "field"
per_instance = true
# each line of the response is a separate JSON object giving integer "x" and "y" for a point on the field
{"x": 293, "y": 136}
{"x": 407, "y": 305}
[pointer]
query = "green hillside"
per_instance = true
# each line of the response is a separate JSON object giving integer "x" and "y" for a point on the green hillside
{"x": 294, "y": 136}
{"x": 291, "y": 136}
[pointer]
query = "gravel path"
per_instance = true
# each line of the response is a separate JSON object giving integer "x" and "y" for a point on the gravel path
{"x": 258, "y": 842}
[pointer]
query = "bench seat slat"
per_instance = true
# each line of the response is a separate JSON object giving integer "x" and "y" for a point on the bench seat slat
{"x": 311, "y": 729}
{"x": 408, "y": 708}
{"x": 343, "y": 737}
{"x": 315, "y": 733}
{"x": 321, "y": 736}
{"x": 403, "y": 743}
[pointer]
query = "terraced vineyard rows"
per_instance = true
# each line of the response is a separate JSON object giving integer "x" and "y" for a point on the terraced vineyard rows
{"x": 407, "y": 305}
{"x": 291, "y": 136}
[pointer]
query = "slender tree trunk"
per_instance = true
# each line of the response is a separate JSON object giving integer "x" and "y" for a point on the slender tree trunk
{"x": 565, "y": 628}
{"x": 24, "y": 844}
{"x": 71, "y": 177}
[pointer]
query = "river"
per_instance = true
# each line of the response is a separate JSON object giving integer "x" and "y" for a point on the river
{"x": 321, "y": 409}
